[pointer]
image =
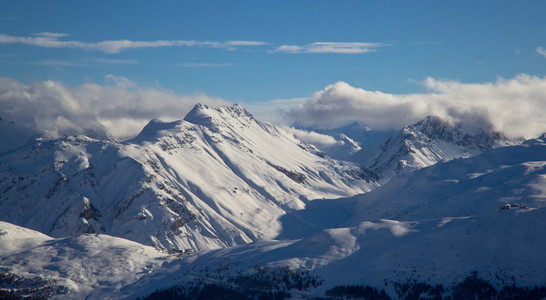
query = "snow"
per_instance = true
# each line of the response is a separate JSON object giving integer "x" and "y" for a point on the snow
{"x": 427, "y": 142}
{"x": 90, "y": 265}
{"x": 426, "y": 227}
{"x": 240, "y": 193}
{"x": 15, "y": 238}
{"x": 216, "y": 179}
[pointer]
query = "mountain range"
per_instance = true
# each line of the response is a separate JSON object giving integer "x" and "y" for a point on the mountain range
{"x": 218, "y": 178}
{"x": 220, "y": 202}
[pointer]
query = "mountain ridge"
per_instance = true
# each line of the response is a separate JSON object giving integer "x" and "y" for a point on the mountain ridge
{"x": 433, "y": 231}
{"x": 427, "y": 142}
{"x": 178, "y": 185}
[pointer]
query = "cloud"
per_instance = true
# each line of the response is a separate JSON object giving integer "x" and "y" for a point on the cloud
{"x": 541, "y": 51}
{"x": 311, "y": 137}
{"x": 53, "y": 35}
{"x": 121, "y": 108}
{"x": 274, "y": 111}
{"x": 244, "y": 43}
{"x": 53, "y": 40}
{"x": 331, "y": 47}
{"x": 514, "y": 106}
{"x": 85, "y": 63}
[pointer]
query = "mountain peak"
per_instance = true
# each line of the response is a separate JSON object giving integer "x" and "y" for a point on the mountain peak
{"x": 434, "y": 127}
{"x": 429, "y": 141}
{"x": 476, "y": 137}
{"x": 202, "y": 114}
{"x": 155, "y": 129}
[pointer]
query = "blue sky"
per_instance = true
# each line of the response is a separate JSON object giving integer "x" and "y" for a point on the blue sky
{"x": 253, "y": 52}
{"x": 470, "y": 41}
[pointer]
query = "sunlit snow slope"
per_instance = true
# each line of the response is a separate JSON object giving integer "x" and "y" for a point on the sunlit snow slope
{"x": 435, "y": 225}
{"x": 88, "y": 265}
{"x": 427, "y": 142}
{"x": 218, "y": 178}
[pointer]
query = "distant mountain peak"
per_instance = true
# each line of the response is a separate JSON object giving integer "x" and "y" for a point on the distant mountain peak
{"x": 155, "y": 129}
{"x": 202, "y": 114}
{"x": 436, "y": 128}
{"x": 427, "y": 142}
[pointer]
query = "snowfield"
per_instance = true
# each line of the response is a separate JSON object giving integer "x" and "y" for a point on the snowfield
{"x": 245, "y": 207}
{"x": 88, "y": 265}
{"x": 219, "y": 178}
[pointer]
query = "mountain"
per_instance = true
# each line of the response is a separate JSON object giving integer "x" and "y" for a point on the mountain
{"x": 364, "y": 135}
{"x": 439, "y": 226}
{"x": 435, "y": 232}
{"x": 427, "y": 142}
{"x": 95, "y": 266}
{"x": 340, "y": 147}
{"x": 218, "y": 178}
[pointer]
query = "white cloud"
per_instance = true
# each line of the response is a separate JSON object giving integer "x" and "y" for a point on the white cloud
{"x": 52, "y": 40}
{"x": 54, "y": 35}
{"x": 289, "y": 49}
{"x": 122, "y": 108}
{"x": 274, "y": 111}
{"x": 514, "y": 106}
{"x": 541, "y": 51}
{"x": 311, "y": 137}
{"x": 331, "y": 47}
{"x": 85, "y": 63}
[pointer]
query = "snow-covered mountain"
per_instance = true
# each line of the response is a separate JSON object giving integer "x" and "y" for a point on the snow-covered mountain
{"x": 438, "y": 231}
{"x": 88, "y": 265}
{"x": 427, "y": 142}
{"x": 340, "y": 147}
{"x": 217, "y": 178}
{"x": 365, "y": 136}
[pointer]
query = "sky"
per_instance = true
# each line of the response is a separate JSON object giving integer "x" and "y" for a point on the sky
{"x": 117, "y": 64}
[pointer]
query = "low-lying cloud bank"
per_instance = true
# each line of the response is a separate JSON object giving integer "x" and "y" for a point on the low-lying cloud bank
{"x": 121, "y": 109}
{"x": 514, "y": 106}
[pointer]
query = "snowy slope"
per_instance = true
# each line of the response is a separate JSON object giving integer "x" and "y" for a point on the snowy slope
{"x": 340, "y": 147}
{"x": 15, "y": 238}
{"x": 218, "y": 178}
{"x": 88, "y": 265}
{"x": 425, "y": 143}
{"x": 435, "y": 225}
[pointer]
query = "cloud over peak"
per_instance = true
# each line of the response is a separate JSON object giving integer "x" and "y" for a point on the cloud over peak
{"x": 514, "y": 106}
{"x": 121, "y": 108}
